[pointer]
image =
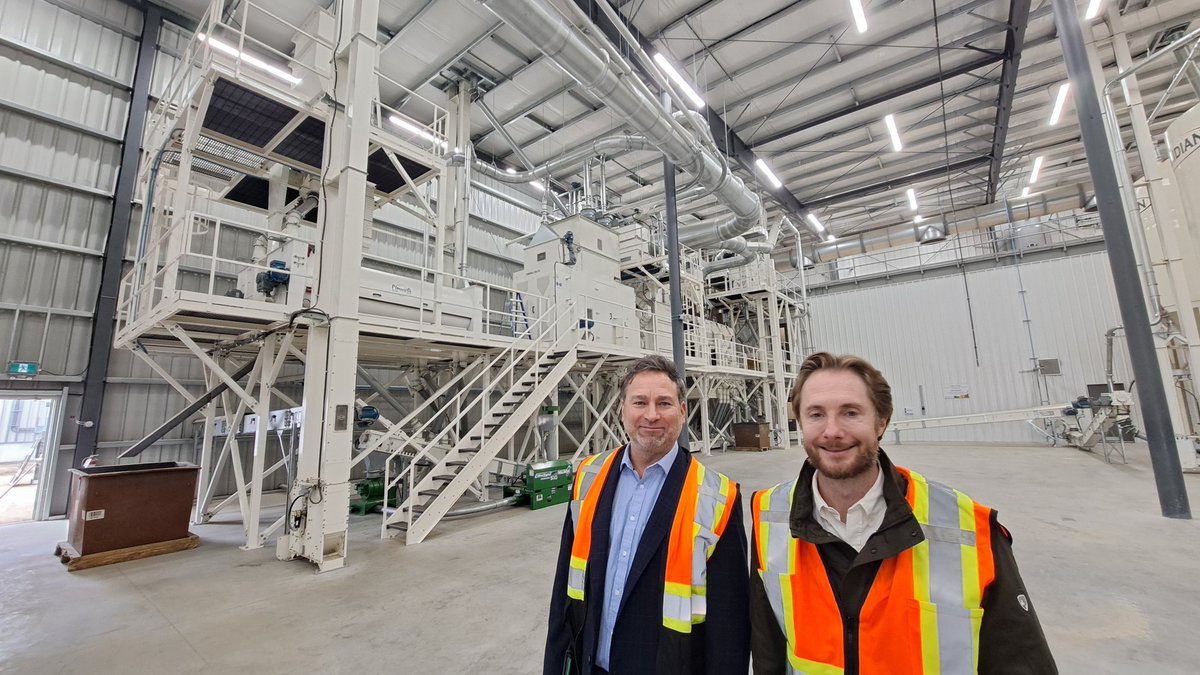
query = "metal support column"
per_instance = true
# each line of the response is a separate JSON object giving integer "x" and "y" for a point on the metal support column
{"x": 104, "y": 320}
{"x": 321, "y": 494}
{"x": 1172, "y": 494}
{"x": 674, "y": 262}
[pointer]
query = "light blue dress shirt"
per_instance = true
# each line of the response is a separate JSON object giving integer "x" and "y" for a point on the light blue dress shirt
{"x": 632, "y": 506}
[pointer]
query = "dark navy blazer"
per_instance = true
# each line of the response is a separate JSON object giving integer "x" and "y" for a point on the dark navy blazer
{"x": 721, "y": 645}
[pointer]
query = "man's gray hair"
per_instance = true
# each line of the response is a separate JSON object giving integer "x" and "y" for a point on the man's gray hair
{"x": 655, "y": 363}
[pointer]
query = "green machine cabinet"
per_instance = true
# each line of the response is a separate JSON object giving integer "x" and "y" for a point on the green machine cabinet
{"x": 548, "y": 483}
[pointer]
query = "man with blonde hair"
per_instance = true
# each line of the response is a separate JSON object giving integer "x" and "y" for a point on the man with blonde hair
{"x": 861, "y": 566}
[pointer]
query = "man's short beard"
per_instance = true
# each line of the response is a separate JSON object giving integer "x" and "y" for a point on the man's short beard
{"x": 864, "y": 459}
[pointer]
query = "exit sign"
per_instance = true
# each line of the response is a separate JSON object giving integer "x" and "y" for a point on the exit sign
{"x": 22, "y": 369}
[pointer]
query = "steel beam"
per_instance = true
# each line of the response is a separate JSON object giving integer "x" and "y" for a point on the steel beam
{"x": 885, "y": 97}
{"x": 900, "y": 181}
{"x": 1160, "y": 434}
{"x": 191, "y": 409}
{"x": 1018, "y": 19}
{"x": 104, "y": 320}
{"x": 726, "y": 138}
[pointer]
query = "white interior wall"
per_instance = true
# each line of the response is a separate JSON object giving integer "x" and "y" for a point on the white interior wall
{"x": 919, "y": 335}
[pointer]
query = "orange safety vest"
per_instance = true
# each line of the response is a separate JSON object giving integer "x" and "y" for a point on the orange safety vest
{"x": 923, "y": 611}
{"x": 700, "y": 520}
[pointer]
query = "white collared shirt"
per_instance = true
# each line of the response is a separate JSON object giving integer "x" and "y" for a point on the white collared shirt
{"x": 862, "y": 519}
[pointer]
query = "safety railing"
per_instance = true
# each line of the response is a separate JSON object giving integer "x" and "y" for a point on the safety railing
{"x": 227, "y": 42}
{"x": 217, "y": 257}
{"x": 995, "y": 243}
{"x": 431, "y": 136}
{"x": 498, "y": 375}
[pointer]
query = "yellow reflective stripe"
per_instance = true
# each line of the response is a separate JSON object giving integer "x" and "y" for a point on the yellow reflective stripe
{"x": 972, "y": 594}
{"x": 930, "y": 655}
{"x": 764, "y": 528}
{"x": 793, "y": 550}
{"x": 580, "y": 565}
{"x": 789, "y": 611}
{"x": 812, "y": 667}
{"x": 677, "y": 625}
{"x": 921, "y": 502}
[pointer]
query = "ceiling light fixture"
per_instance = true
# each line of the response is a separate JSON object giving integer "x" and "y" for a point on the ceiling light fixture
{"x": 678, "y": 80}
{"x": 1093, "y": 10}
{"x": 830, "y": 238}
{"x": 1025, "y": 192}
{"x": 860, "y": 16}
{"x": 1037, "y": 169}
{"x": 912, "y": 198}
{"x": 248, "y": 59}
{"x": 770, "y": 175}
{"x": 890, "y": 121}
{"x": 415, "y": 128}
{"x": 812, "y": 218}
{"x": 1060, "y": 102}
{"x": 918, "y": 220}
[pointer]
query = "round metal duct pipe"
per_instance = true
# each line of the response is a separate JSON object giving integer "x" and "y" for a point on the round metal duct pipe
{"x": 566, "y": 46}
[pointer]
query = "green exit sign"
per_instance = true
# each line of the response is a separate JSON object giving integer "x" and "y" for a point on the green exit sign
{"x": 22, "y": 369}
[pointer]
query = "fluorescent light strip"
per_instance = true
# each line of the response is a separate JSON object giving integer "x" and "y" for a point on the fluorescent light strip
{"x": 248, "y": 59}
{"x": 678, "y": 80}
{"x": 830, "y": 238}
{"x": 890, "y": 121}
{"x": 416, "y": 129}
{"x": 912, "y": 198}
{"x": 812, "y": 218}
{"x": 1025, "y": 192}
{"x": 770, "y": 175}
{"x": 1093, "y": 10}
{"x": 860, "y": 16}
{"x": 918, "y": 220}
{"x": 1037, "y": 169}
{"x": 1060, "y": 102}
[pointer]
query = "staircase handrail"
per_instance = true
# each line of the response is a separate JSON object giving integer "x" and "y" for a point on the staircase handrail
{"x": 511, "y": 349}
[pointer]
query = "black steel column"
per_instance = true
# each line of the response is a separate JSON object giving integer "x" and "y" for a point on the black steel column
{"x": 1172, "y": 494}
{"x": 100, "y": 347}
{"x": 673, "y": 261}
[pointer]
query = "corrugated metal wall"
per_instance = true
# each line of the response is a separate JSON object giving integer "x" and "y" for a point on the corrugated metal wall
{"x": 920, "y": 335}
{"x": 67, "y": 68}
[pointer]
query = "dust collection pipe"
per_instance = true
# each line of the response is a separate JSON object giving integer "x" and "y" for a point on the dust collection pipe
{"x": 1168, "y": 476}
{"x": 622, "y": 92}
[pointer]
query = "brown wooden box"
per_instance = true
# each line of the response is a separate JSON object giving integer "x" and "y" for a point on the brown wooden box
{"x": 751, "y": 435}
{"x": 114, "y": 507}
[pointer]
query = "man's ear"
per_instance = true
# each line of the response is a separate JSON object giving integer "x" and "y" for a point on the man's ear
{"x": 882, "y": 428}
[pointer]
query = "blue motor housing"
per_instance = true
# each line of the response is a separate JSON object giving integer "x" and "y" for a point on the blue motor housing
{"x": 267, "y": 282}
{"x": 367, "y": 415}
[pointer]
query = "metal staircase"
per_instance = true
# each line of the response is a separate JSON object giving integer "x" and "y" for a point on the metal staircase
{"x": 436, "y": 477}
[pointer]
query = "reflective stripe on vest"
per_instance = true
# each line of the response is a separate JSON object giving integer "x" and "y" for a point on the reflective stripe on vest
{"x": 922, "y": 613}
{"x": 700, "y": 519}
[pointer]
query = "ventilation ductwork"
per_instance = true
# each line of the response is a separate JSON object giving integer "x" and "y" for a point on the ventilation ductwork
{"x": 629, "y": 98}
{"x": 961, "y": 221}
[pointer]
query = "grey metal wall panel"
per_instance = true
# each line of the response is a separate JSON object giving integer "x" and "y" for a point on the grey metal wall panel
{"x": 49, "y": 213}
{"x": 66, "y": 35}
{"x": 60, "y": 92}
{"x": 62, "y": 155}
{"x": 919, "y": 334}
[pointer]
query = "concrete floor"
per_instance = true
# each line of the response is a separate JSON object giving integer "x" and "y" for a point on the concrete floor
{"x": 1113, "y": 581}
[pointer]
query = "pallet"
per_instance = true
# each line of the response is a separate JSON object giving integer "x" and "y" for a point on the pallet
{"x": 74, "y": 561}
{"x": 744, "y": 448}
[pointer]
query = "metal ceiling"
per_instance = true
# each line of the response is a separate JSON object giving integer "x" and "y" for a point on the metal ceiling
{"x": 970, "y": 83}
